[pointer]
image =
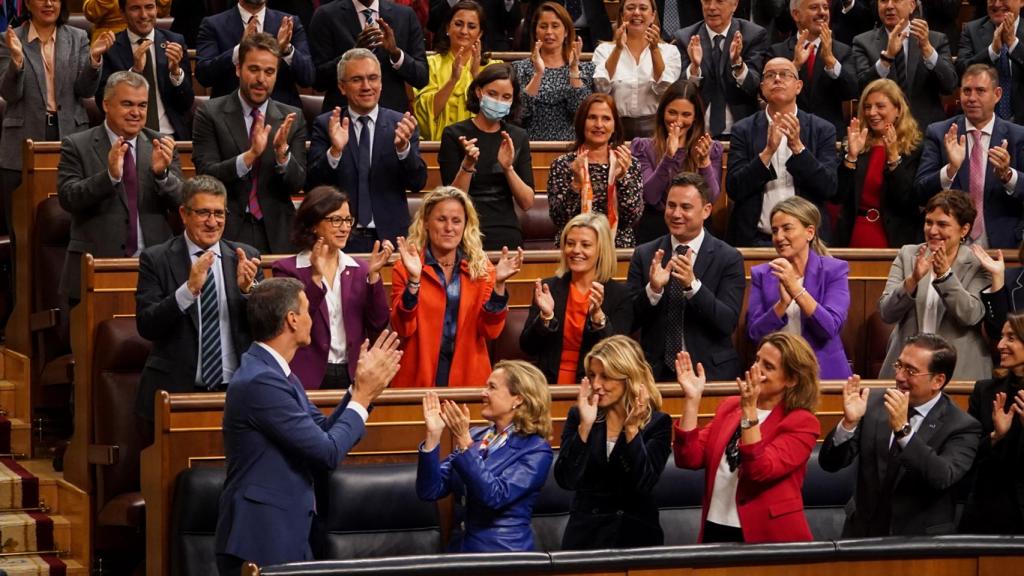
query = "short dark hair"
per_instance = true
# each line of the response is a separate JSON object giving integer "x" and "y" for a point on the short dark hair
{"x": 201, "y": 184}
{"x": 982, "y": 69}
{"x": 580, "y": 122}
{"x": 62, "y": 15}
{"x": 956, "y": 203}
{"x": 318, "y": 203}
{"x": 269, "y": 305}
{"x": 260, "y": 41}
{"x": 943, "y": 355}
{"x": 486, "y": 76}
{"x": 691, "y": 179}
{"x": 441, "y": 41}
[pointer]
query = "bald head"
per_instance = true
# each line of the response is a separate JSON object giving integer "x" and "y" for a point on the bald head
{"x": 780, "y": 83}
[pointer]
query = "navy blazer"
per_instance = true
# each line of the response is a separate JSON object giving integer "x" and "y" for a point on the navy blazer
{"x": 824, "y": 96}
{"x": 975, "y": 39}
{"x": 390, "y": 178}
{"x": 177, "y": 100}
{"x": 215, "y": 45}
{"x": 999, "y": 304}
{"x": 813, "y": 171}
{"x": 1004, "y": 214}
{"x": 494, "y": 496}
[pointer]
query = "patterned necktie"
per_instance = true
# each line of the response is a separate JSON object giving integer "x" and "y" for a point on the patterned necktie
{"x": 977, "y": 183}
{"x": 1003, "y": 108}
{"x": 254, "y": 172}
{"x": 899, "y": 70}
{"x": 211, "y": 371}
{"x": 717, "y": 95}
{"x": 811, "y": 57}
{"x": 575, "y": 9}
{"x": 675, "y": 306}
{"x": 152, "y": 116}
{"x": 670, "y": 19}
{"x": 368, "y": 15}
{"x": 130, "y": 181}
{"x": 364, "y": 208}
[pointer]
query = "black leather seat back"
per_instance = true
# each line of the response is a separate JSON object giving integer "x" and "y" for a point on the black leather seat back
{"x": 679, "y": 494}
{"x": 825, "y": 497}
{"x": 194, "y": 521}
{"x": 551, "y": 514}
{"x": 538, "y": 228}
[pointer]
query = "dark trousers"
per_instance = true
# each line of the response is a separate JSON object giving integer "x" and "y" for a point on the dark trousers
{"x": 254, "y": 233}
{"x": 360, "y": 240}
{"x": 10, "y": 180}
{"x": 228, "y": 565}
{"x": 719, "y": 533}
{"x": 336, "y": 377}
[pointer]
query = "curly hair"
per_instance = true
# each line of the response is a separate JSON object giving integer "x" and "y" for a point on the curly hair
{"x": 523, "y": 379}
{"x": 623, "y": 359}
{"x": 471, "y": 243}
{"x": 908, "y": 134}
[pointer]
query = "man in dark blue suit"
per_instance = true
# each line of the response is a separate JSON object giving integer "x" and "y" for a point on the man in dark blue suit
{"x": 777, "y": 153}
{"x": 217, "y": 49}
{"x": 981, "y": 154}
{"x": 376, "y": 164}
{"x": 996, "y": 39}
{"x": 275, "y": 438}
{"x": 390, "y": 30}
{"x": 160, "y": 56}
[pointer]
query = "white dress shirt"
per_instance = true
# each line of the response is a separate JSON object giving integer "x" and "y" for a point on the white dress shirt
{"x": 929, "y": 63}
{"x": 722, "y": 508}
{"x": 782, "y": 186}
{"x": 336, "y": 352}
{"x": 633, "y": 87}
{"x": 842, "y": 434}
{"x": 161, "y": 112}
{"x": 986, "y": 142}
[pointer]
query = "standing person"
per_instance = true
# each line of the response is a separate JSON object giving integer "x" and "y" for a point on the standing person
{"x": 599, "y": 175}
{"x": 1006, "y": 293}
{"x": 680, "y": 143}
{"x": 755, "y": 450}
{"x": 994, "y": 39}
{"x": 614, "y": 447}
{"x": 346, "y": 296}
{"x": 500, "y": 25}
{"x": 553, "y": 82}
{"x": 636, "y": 67}
{"x": 111, "y": 16}
{"x": 275, "y": 438}
{"x": 488, "y": 157}
{"x": 495, "y": 471}
{"x": 447, "y": 300}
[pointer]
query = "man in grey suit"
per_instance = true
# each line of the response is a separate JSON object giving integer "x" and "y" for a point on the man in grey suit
{"x": 118, "y": 180}
{"x": 995, "y": 40}
{"x": 256, "y": 147}
{"x": 913, "y": 443}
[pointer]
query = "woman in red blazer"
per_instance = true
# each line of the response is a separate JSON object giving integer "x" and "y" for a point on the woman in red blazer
{"x": 755, "y": 449}
{"x": 447, "y": 300}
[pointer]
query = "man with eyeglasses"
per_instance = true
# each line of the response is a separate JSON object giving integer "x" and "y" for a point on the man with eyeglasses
{"x": 190, "y": 301}
{"x": 913, "y": 445}
{"x": 777, "y": 153}
{"x": 371, "y": 152}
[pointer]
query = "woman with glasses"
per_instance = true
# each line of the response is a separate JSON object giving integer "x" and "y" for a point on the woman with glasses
{"x": 936, "y": 286}
{"x": 755, "y": 449}
{"x": 346, "y": 296}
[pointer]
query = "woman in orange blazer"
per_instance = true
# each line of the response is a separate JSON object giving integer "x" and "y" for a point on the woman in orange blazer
{"x": 447, "y": 300}
{"x": 755, "y": 449}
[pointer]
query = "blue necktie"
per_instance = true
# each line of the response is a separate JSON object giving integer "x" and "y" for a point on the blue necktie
{"x": 1003, "y": 108}
{"x": 211, "y": 372}
{"x": 363, "y": 172}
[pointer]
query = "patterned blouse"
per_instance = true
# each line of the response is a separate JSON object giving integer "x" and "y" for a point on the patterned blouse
{"x": 564, "y": 202}
{"x": 549, "y": 115}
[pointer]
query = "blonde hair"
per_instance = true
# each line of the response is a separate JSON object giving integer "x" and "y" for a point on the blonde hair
{"x": 623, "y": 359}
{"x": 908, "y": 135}
{"x": 471, "y": 244}
{"x": 523, "y": 379}
{"x": 800, "y": 364}
{"x": 807, "y": 214}
{"x": 607, "y": 263}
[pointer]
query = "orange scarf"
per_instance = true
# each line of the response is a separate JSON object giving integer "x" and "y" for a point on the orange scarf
{"x": 587, "y": 190}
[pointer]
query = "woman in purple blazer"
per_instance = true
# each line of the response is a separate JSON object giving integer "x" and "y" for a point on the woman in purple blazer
{"x": 804, "y": 291}
{"x": 346, "y": 296}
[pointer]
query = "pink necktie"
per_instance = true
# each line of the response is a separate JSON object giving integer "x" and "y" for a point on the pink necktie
{"x": 254, "y": 172}
{"x": 977, "y": 183}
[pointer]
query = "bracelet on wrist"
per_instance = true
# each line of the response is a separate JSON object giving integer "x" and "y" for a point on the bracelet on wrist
{"x": 800, "y": 293}
{"x": 886, "y": 58}
{"x": 547, "y": 318}
{"x": 467, "y": 170}
{"x": 850, "y": 160}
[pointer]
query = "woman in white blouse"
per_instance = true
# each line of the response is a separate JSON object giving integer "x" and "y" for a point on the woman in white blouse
{"x": 636, "y": 67}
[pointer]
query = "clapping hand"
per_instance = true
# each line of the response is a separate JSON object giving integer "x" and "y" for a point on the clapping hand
{"x": 996, "y": 267}
{"x": 472, "y": 153}
{"x": 410, "y": 256}
{"x": 1002, "y": 420}
{"x": 281, "y": 139}
{"x": 115, "y": 158}
{"x": 897, "y": 404}
{"x": 404, "y": 130}
{"x": 856, "y": 139}
{"x": 14, "y": 47}
{"x": 586, "y": 403}
{"x": 198, "y": 271}
{"x": 506, "y": 151}
{"x": 507, "y": 266}
{"x": 956, "y": 149}
{"x": 750, "y": 389}
{"x": 736, "y": 49}
{"x": 377, "y": 365}
{"x": 163, "y": 154}
{"x": 100, "y": 45}
{"x": 284, "y": 35}
{"x": 639, "y": 413}
{"x": 337, "y": 130}
{"x": 246, "y": 272}
{"x": 319, "y": 259}
{"x": 379, "y": 256}
{"x": 432, "y": 419}
{"x": 855, "y": 402}
{"x": 658, "y": 275}
{"x": 595, "y": 299}
{"x": 690, "y": 381}
{"x": 456, "y": 418}
{"x": 695, "y": 51}
{"x": 543, "y": 299}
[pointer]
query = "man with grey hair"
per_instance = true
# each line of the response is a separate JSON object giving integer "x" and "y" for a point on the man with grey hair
{"x": 118, "y": 180}
{"x": 344, "y": 152}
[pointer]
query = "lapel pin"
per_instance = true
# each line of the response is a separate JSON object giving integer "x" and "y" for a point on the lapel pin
{"x": 163, "y": 44}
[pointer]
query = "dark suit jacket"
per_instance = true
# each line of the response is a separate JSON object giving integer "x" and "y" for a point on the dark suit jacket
{"x": 544, "y": 344}
{"x": 218, "y": 36}
{"x": 274, "y": 440}
{"x": 172, "y": 363}
{"x": 709, "y": 318}
{"x": 813, "y": 171}
{"x": 499, "y": 24}
{"x": 1004, "y": 214}
{"x": 301, "y": 8}
{"x": 1003, "y": 302}
{"x": 824, "y": 97}
{"x": 390, "y": 178}
{"x": 177, "y": 100}
{"x": 935, "y": 458}
{"x": 614, "y": 506}
{"x": 926, "y": 87}
{"x": 975, "y": 40}
{"x": 901, "y": 212}
{"x": 494, "y": 495}
{"x": 689, "y": 13}
{"x": 99, "y": 209}
{"x": 219, "y": 135}
{"x": 742, "y": 99}
{"x": 859, "y": 19}
{"x": 334, "y": 30}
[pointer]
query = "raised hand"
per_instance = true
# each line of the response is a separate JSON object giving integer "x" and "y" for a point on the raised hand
{"x": 997, "y": 37}
{"x": 1001, "y": 421}
{"x": 246, "y": 272}
{"x": 506, "y": 151}
{"x": 702, "y": 151}
{"x": 281, "y": 138}
{"x": 623, "y": 158}
{"x": 377, "y": 365}
{"x": 284, "y": 34}
{"x": 379, "y": 256}
{"x": 653, "y": 36}
{"x": 892, "y": 152}
{"x": 586, "y": 403}
{"x": 404, "y": 130}
{"x": 536, "y": 60}
{"x": 320, "y": 259}
{"x": 370, "y": 37}
{"x": 258, "y": 143}
{"x": 337, "y": 130}
{"x": 750, "y": 388}
{"x": 956, "y": 149}
{"x": 432, "y": 419}
{"x": 638, "y": 413}
{"x": 508, "y": 265}
{"x": 919, "y": 31}
{"x": 475, "y": 58}
{"x": 387, "y": 39}
{"x": 595, "y": 299}
{"x": 790, "y": 126}
{"x": 922, "y": 262}
{"x": 658, "y": 275}
{"x": 175, "y": 52}
{"x": 825, "y": 46}
{"x": 100, "y": 45}
{"x": 696, "y": 53}
{"x": 774, "y": 138}
{"x": 543, "y": 299}
{"x": 999, "y": 158}
{"x": 800, "y": 49}
{"x": 855, "y": 402}
{"x": 115, "y": 158}
{"x": 14, "y": 47}
{"x": 897, "y": 404}
{"x": 940, "y": 262}
{"x": 472, "y": 153}
{"x": 139, "y": 56}
{"x": 856, "y": 138}
{"x": 895, "y": 42}
{"x": 619, "y": 36}
{"x": 736, "y": 49}
{"x": 579, "y": 167}
{"x": 682, "y": 269}
{"x": 456, "y": 418}
{"x": 574, "y": 58}
{"x": 410, "y": 256}
{"x": 458, "y": 63}
{"x": 690, "y": 381}
{"x": 197, "y": 273}
{"x": 786, "y": 273}
{"x": 163, "y": 154}
{"x": 996, "y": 267}
{"x": 676, "y": 134}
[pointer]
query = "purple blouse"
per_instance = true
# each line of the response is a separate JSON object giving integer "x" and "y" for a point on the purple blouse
{"x": 657, "y": 175}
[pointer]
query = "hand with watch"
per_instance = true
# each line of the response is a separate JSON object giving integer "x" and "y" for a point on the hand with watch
{"x": 750, "y": 391}
{"x": 897, "y": 404}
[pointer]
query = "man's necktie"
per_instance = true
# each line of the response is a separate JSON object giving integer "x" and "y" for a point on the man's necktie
{"x": 368, "y": 15}
{"x": 717, "y": 95}
{"x": 899, "y": 70}
{"x": 130, "y": 181}
{"x": 1004, "y": 108}
{"x": 670, "y": 19}
{"x": 254, "y": 172}
{"x": 977, "y": 183}
{"x": 211, "y": 372}
{"x": 152, "y": 115}
{"x": 365, "y": 209}
{"x": 811, "y": 57}
{"x": 675, "y": 305}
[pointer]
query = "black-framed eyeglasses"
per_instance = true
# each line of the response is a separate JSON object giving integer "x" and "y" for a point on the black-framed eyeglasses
{"x": 783, "y": 75}
{"x": 205, "y": 213}
{"x": 339, "y": 221}
{"x": 910, "y": 371}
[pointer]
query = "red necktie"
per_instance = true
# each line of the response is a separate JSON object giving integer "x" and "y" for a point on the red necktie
{"x": 810, "y": 63}
{"x": 254, "y": 172}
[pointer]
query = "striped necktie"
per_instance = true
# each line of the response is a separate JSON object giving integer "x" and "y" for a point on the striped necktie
{"x": 211, "y": 373}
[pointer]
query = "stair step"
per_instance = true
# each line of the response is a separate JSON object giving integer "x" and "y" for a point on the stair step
{"x": 21, "y": 437}
{"x": 42, "y": 468}
{"x": 19, "y": 532}
{"x": 36, "y": 565}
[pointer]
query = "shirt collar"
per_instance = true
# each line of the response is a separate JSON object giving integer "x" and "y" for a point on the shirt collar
{"x": 344, "y": 260}
{"x": 925, "y": 408}
{"x": 245, "y": 14}
{"x": 113, "y": 137}
{"x": 247, "y": 109}
{"x": 712, "y": 33}
{"x": 33, "y": 34}
{"x": 133, "y": 38}
{"x": 354, "y": 116}
{"x": 428, "y": 257}
{"x": 695, "y": 243}
{"x": 193, "y": 247}
{"x": 375, "y": 6}
{"x": 280, "y": 359}
{"x": 986, "y": 129}
{"x": 796, "y": 111}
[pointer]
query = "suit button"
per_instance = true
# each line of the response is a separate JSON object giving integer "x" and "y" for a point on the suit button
{"x": 619, "y": 512}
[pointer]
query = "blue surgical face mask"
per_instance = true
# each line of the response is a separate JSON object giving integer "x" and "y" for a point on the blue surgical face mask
{"x": 493, "y": 109}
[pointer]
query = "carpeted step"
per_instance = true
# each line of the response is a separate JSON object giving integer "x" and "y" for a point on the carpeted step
{"x": 33, "y": 532}
{"x": 19, "y": 488}
{"x": 35, "y": 565}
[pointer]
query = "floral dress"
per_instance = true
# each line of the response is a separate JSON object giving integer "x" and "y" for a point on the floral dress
{"x": 564, "y": 202}
{"x": 549, "y": 115}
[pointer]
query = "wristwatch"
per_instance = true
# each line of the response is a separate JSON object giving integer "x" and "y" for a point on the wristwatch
{"x": 903, "y": 432}
{"x": 746, "y": 424}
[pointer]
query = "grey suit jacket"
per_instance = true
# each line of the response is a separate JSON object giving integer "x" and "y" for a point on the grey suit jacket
{"x": 99, "y": 209}
{"x": 959, "y": 317}
{"x": 25, "y": 91}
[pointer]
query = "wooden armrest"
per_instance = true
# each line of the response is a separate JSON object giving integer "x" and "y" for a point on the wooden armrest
{"x": 102, "y": 454}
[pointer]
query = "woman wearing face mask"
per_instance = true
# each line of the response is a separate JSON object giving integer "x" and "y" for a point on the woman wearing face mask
{"x": 636, "y": 67}
{"x": 489, "y": 158}
{"x": 755, "y": 450}
{"x": 876, "y": 178}
{"x": 996, "y": 501}
{"x": 452, "y": 68}
{"x": 614, "y": 447}
{"x": 934, "y": 287}
{"x": 579, "y": 306}
{"x": 496, "y": 471}
{"x": 804, "y": 291}
{"x": 600, "y": 175}
{"x": 680, "y": 144}
{"x": 553, "y": 80}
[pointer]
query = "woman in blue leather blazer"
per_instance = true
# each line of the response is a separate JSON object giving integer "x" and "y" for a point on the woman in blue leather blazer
{"x": 495, "y": 472}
